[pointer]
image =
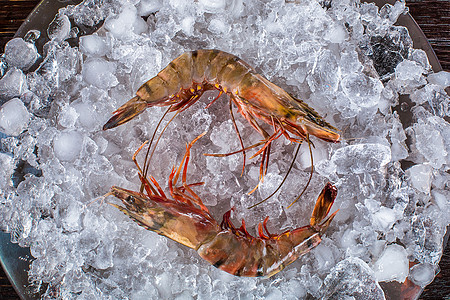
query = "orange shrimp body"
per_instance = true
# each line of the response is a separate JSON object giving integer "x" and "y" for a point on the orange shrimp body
{"x": 185, "y": 79}
{"x": 186, "y": 219}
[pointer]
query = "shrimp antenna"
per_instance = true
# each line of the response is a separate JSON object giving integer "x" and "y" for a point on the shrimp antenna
{"x": 147, "y": 162}
{"x": 101, "y": 198}
{"x": 310, "y": 175}
{"x": 284, "y": 179}
{"x": 239, "y": 136}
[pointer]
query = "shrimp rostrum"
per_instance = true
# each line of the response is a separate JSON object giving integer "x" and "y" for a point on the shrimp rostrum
{"x": 185, "y": 219}
{"x": 184, "y": 80}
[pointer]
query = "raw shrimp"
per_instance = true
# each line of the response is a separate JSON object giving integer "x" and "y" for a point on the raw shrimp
{"x": 184, "y": 80}
{"x": 186, "y": 219}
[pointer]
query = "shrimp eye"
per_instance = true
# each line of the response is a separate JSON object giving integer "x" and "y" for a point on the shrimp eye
{"x": 130, "y": 199}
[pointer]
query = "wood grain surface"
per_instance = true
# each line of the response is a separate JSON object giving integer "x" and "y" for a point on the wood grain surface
{"x": 433, "y": 17}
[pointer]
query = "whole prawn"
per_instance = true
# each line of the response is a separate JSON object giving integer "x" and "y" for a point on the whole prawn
{"x": 184, "y": 80}
{"x": 186, "y": 219}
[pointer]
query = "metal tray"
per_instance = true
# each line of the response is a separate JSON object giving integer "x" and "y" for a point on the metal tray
{"x": 15, "y": 260}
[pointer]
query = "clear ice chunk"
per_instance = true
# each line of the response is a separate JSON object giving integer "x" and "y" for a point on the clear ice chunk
{"x": 351, "y": 278}
{"x": 362, "y": 90}
{"x": 125, "y": 22}
{"x": 408, "y": 70}
{"x": 422, "y": 274}
{"x": 392, "y": 12}
{"x": 361, "y": 158}
{"x": 430, "y": 143}
{"x": 325, "y": 76}
{"x": 408, "y": 76}
{"x": 392, "y": 265}
{"x": 420, "y": 176}
{"x": 67, "y": 117}
{"x": 336, "y": 34}
{"x": 59, "y": 28}
{"x": 100, "y": 73}
{"x": 67, "y": 145}
{"x": 441, "y": 78}
{"x": 20, "y": 54}
{"x": 31, "y": 36}
{"x": 387, "y": 49}
{"x": 187, "y": 25}
{"x": 14, "y": 117}
{"x": 231, "y": 7}
{"x": 382, "y": 217}
{"x": 13, "y": 84}
{"x": 93, "y": 45}
{"x": 217, "y": 26}
{"x": 436, "y": 97}
{"x": 6, "y": 170}
{"x": 147, "y": 7}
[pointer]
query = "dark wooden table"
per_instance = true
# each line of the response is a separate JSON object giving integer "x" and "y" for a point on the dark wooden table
{"x": 433, "y": 16}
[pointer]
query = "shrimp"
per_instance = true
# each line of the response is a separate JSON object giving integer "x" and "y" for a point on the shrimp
{"x": 186, "y": 220}
{"x": 184, "y": 80}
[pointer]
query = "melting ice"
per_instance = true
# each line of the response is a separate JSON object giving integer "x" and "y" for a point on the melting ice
{"x": 344, "y": 58}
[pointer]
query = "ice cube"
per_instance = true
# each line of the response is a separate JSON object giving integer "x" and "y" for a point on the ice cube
{"x": 67, "y": 117}
{"x": 387, "y": 49}
{"x": 20, "y": 54}
{"x": 59, "y": 28}
{"x": 147, "y": 7}
{"x": 187, "y": 25}
{"x": 100, "y": 73}
{"x": 392, "y": 265}
{"x": 6, "y": 170}
{"x": 420, "y": 57}
{"x": 324, "y": 77}
{"x": 270, "y": 184}
{"x": 399, "y": 150}
{"x": 70, "y": 215}
{"x": 101, "y": 257}
{"x": 442, "y": 199}
{"x": 384, "y": 218}
{"x": 437, "y": 98}
{"x": 125, "y": 22}
{"x": 336, "y": 34}
{"x": 14, "y": 117}
{"x": 324, "y": 258}
{"x": 13, "y": 84}
{"x": 420, "y": 177}
{"x": 422, "y": 274}
{"x": 213, "y": 6}
{"x": 350, "y": 63}
{"x": 361, "y": 158}
{"x": 319, "y": 152}
{"x": 351, "y": 278}
{"x": 361, "y": 89}
{"x": 408, "y": 70}
{"x": 430, "y": 143}
{"x": 67, "y": 145}
{"x": 392, "y": 12}
{"x": 441, "y": 78}
{"x": 217, "y": 26}
{"x": 31, "y": 36}
{"x": 273, "y": 294}
{"x": 93, "y": 44}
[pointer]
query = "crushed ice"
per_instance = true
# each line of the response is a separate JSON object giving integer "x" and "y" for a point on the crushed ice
{"x": 346, "y": 59}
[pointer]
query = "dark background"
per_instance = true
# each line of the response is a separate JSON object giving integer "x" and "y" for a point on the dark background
{"x": 433, "y": 17}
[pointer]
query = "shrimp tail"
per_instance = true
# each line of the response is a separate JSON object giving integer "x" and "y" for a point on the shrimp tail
{"x": 322, "y": 208}
{"x": 126, "y": 112}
